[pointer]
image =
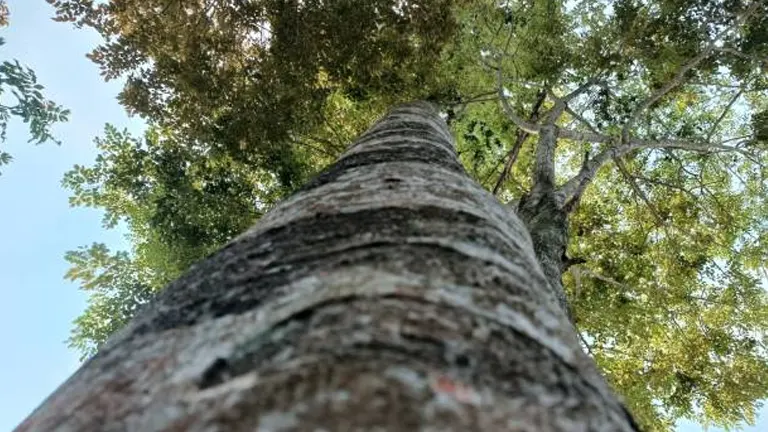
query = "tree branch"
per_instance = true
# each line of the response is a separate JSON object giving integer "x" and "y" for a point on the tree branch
{"x": 563, "y": 102}
{"x": 580, "y": 90}
{"x": 738, "y": 53}
{"x": 319, "y": 149}
{"x": 665, "y": 184}
{"x": 544, "y": 168}
{"x": 582, "y": 120}
{"x": 573, "y": 188}
{"x": 679, "y": 77}
{"x": 535, "y": 129}
{"x": 586, "y": 345}
{"x": 460, "y": 106}
{"x": 592, "y": 137}
{"x": 526, "y": 126}
{"x": 719, "y": 120}
{"x": 638, "y": 191}
{"x": 521, "y": 137}
{"x": 607, "y": 279}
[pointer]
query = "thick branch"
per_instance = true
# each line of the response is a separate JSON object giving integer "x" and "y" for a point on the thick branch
{"x": 534, "y": 129}
{"x": 526, "y": 126}
{"x": 574, "y": 187}
{"x": 544, "y": 170}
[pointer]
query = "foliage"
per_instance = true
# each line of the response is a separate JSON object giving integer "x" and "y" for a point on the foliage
{"x": 244, "y": 77}
{"x": 28, "y": 105}
{"x": 673, "y": 309}
{"x": 671, "y": 300}
{"x": 116, "y": 287}
{"x": 178, "y": 202}
{"x": 248, "y": 99}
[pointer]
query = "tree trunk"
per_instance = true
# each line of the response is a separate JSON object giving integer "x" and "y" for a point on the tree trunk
{"x": 390, "y": 293}
{"x": 542, "y": 213}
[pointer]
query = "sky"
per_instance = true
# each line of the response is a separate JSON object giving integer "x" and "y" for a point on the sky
{"x": 36, "y": 223}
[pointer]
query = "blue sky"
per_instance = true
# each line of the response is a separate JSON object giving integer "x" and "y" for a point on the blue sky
{"x": 36, "y": 223}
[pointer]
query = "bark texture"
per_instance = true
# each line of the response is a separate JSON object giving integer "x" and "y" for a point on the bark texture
{"x": 543, "y": 214}
{"x": 391, "y": 293}
{"x": 543, "y": 211}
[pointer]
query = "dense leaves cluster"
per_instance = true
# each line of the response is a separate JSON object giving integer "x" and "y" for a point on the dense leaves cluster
{"x": 243, "y": 77}
{"x": 659, "y": 105}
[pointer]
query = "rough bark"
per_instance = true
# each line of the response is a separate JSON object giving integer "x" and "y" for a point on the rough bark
{"x": 391, "y": 293}
{"x": 544, "y": 215}
{"x": 543, "y": 209}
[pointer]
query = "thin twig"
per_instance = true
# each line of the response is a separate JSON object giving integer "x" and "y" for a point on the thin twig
{"x": 680, "y": 76}
{"x": 511, "y": 156}
{"x": 586, "y": 345}
{"x": 638, "y": 191}
{"x": 719, "y": 120}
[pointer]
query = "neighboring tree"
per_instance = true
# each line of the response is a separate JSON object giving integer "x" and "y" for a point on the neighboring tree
{"x": 630, "y": 138}
{"x": 391, "y": 293}
{"x": 28, "y": 104}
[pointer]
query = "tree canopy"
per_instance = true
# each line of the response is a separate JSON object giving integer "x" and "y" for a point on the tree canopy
{"x": 658, "y": 122}
{"x": 28, "y": 103}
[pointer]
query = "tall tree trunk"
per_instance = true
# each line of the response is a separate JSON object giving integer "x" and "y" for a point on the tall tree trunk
{"x": 391, "y": 293}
